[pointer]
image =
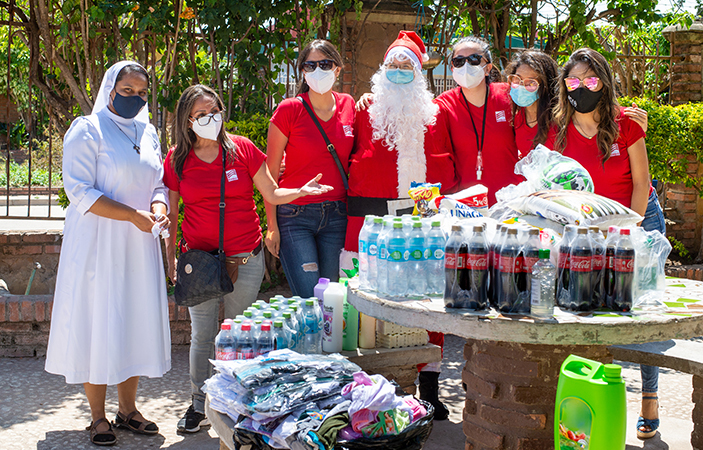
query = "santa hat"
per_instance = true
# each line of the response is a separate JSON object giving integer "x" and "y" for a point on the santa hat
{"x": 409, "y": 45}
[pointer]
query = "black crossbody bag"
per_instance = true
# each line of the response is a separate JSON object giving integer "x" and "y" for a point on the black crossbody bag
{"x": 202, "y": 276}
{"x": 330, "y": 146}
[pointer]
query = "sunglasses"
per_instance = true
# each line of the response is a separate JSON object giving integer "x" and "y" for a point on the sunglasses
{"x": 531, "y": 85}
{"x": 573, "y": 83}
{"x": 203, "y": 121}
{"x": 473, "y": 60}
{"x": 325, "y": 64}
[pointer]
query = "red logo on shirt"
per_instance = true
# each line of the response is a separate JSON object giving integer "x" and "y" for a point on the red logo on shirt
{"x": 500, "y": 116}
{"x": 348, "y": 130}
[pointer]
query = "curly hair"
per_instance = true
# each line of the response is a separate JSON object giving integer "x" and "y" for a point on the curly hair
{"x": 607, "y": 111}
{"x": 548, "y": 72}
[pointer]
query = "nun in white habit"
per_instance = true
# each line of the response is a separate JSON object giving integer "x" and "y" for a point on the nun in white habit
{"x": 109, "y": 323}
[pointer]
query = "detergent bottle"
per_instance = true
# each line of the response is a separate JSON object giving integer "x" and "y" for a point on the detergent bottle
{"x": 590, "y": 408}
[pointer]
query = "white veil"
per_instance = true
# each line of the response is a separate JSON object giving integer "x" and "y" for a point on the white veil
{"x": 103, "y": 98}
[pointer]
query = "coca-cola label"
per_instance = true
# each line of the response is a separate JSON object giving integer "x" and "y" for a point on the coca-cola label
{"x": 510, "y": 264}
{"x": 462, "y": 260}
{"x": 580, "y": 263}
{"x": 624, "y": 265}
{"x": 563, "y": 262}
{"x": 478, "y": 262}
{"x": 247, "y": 353}
{"x": 226, "y": 356}
{"x": 598, "y": 262}
{"x": 529, "y": 262}
{"x": 450, "y": 260}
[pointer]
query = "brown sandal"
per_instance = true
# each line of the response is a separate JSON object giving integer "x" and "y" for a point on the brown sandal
{"x": 101, "y": 437}
{"x": 143, "y": 427}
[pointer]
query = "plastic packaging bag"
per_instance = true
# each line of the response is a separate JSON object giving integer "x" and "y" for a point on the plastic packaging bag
{"x": 651, "y": 252}
{"x": 424, "y": 195}
{"x": 568, "y": 207}
{"x": 545, "y": 169}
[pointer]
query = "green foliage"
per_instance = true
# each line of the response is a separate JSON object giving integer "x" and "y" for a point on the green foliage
{"x": 674, "y": 133}
{"x": 19, "y": 176}
{"x": 679, "y": 248}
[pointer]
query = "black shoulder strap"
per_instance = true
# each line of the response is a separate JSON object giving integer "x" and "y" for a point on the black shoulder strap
{"x": 330, "y": 146}
{"x": 221, "y": 250}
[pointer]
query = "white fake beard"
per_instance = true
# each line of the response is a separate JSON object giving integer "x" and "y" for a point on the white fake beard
{"x": 400, "y": 114}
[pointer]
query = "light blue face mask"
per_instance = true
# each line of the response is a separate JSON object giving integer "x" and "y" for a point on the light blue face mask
{"x": 400, "y": 76}
{"x": 522, "y": 97}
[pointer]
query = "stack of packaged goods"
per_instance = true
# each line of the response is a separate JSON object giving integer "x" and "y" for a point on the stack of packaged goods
{"x": 304, "y": 402}
{"x": 390, "y": 335}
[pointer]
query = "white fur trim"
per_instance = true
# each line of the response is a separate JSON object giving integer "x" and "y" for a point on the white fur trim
{"x": 404, "y": 51}
{"x": 345, "y": 261}
{"x": 412, "y": 165}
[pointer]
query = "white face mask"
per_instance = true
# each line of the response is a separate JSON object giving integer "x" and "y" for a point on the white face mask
{"x": 210, "y": 131}
{"x": 468, "y": 76}
{"x": 320, "y": 81}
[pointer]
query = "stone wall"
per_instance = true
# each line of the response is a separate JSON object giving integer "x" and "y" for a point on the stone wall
{"x": 8, "y": 111}
{"x": 19, "y": 250}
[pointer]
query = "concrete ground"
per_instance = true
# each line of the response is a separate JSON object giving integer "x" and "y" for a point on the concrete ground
{"x": 39, "y": 411}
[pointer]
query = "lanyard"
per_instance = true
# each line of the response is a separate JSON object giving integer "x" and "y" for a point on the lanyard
{"x": 479, "y": 156}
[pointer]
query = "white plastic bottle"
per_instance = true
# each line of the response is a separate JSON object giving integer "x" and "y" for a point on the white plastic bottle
{"x": 333, "y": 309}
{"x": 543, "y": 284}
{"x": 398, "y": 256}
{"x": 364, "y": 252}
{"x": 417, "y": 262}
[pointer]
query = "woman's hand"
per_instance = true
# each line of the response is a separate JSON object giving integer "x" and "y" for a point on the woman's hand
{"x": 144, "y": 220}
{"x": 163, "y": 221}
{"x": 638, "y": 115}
{"x": 273, "y": 241}
{"x": 364, "y": 102}
{"x": 312, "y": 187}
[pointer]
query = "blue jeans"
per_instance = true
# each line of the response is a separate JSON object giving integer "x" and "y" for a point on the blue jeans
{"x": 204, "y": 323}
{"x": 312, "y": 237}
{"x": 653, "y": 220}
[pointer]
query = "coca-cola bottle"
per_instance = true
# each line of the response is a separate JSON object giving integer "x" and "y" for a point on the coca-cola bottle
{"x": 563, "y": 266}
{"x": 598, "y": 245}
{"x": 580, "y": 271}
{"x": 451, "y": 265}
{"x": 477, "y": 266}
{"x": 498, "y": 240}
{"x": 624, "y": 266}
{"x": 609, "y": 272}
{"x": 530, "y": 251}
{"x": 509, "y": 267}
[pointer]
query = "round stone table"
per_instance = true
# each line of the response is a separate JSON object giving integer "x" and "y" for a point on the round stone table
{"x": 513, "y": 361}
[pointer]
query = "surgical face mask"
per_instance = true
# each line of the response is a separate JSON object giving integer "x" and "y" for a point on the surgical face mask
{"x": 320, "y": 81}
{"x": 468, "y": 76}
{"x": 522, "y": 97}
{"x": 210, "y": 131}
{"x": 127, "y": 107}
{"x": 400, "y": 76}
{"x": 584, "y": 100}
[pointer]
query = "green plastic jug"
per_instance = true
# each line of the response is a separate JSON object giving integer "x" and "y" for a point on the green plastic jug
{"x": 590, "y": 409}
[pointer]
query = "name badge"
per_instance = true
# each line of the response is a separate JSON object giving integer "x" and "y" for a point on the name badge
{"x": 231, "y": 175}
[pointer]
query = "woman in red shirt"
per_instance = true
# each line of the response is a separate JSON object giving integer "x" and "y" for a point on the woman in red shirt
{"x": 594, "y": 130}
{"x": 478, "y": 117}
{"x": 309, "y": 233}
{"x": 193, "y": 172}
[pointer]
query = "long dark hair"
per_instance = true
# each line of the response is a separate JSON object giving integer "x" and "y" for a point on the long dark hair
{"x": 326, "y": 48}
{"x": 548, "y": 72}
{"x": 607, "y": 111}
{"x": 183, "y": 135}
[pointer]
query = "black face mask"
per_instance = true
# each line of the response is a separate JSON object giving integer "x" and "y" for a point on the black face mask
{"x": 127, "y": 107}
{"x": 584, "y": 100}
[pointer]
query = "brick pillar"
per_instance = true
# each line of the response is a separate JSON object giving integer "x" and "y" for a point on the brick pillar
{"x": 511, "y": 389}
{"x": 697, "y": 435}
{"x": 684, "y": 206}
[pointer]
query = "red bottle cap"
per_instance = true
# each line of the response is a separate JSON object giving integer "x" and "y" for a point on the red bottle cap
{"x": 625, "y": 232}
{"x": 265, "y": 327}
{"x": 225, "y": 326}
{"x": 246, "y": 327}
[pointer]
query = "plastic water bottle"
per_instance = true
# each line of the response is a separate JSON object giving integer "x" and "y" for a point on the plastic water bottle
{"x": 434, "y": 255}
{"x": 398, "y": 256}
{"x": 543, "y": 284}
{"x": 281, "y": 337}
{"x": 372, "y": 250}
{"x": 363, "y": 252}
{"x": 245, "y": 344}
{"x": 291, "y": 327}
{"x": 333, "y": 313}
{"x": 417, "y": 244}
{"x": 312, "y": 339}
{"x": 382, "y": 260}
{"x": 300, "y": 320}
{"x": 224, "y": 344}
{"x": 265, "y": 342}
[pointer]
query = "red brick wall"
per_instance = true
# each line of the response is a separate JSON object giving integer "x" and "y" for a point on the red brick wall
{"x": 19, "y": 250}
{"x": 684, "y": 208}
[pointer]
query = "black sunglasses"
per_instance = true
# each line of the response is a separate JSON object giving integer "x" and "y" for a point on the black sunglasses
{"x": 473, "y": 60}
{"x": 325, "y": 64}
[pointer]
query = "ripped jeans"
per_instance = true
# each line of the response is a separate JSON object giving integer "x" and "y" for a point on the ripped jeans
{"x": 312, "y": 237}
